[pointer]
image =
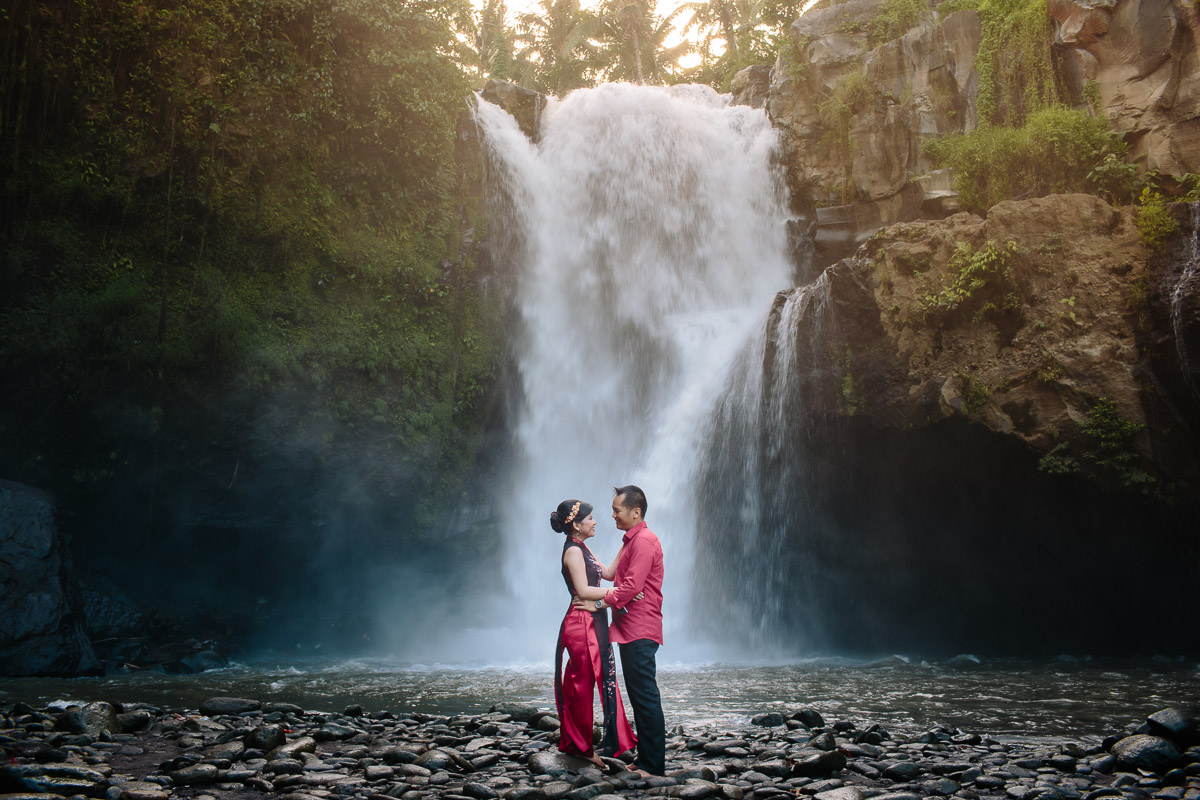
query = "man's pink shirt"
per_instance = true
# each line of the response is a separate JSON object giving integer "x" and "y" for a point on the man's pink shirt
{"x": 640, "y": 569}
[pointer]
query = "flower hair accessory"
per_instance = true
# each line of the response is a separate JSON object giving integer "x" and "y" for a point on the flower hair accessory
{"x": 571, "y": 516}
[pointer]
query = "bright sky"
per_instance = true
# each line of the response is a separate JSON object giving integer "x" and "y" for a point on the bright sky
{"x": 662, "y": 8}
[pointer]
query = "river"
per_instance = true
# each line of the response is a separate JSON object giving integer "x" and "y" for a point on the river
{"x": 1007, "y": 699}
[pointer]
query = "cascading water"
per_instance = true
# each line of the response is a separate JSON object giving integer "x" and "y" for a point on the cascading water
{"x": 653, "y": 241}
{"x": 1189, "y": 275}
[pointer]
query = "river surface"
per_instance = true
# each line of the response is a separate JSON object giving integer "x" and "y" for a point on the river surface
{"x": 1075, "y": 699}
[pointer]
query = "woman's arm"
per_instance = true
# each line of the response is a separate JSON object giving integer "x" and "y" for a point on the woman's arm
{"x": 573, "y": 560}
{"x": 609, "y": 572}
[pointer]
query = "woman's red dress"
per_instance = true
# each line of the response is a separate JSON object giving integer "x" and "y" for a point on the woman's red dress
{"x": 584, "y": 635}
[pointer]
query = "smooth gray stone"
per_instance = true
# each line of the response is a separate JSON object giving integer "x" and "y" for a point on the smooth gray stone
{"x": 196, "y": 775}
{"x": 817, "y": 763}
{"x": 1175, "y": 724}
{"x": 810, "y": 718}
{"x": 771, "y": 719}
{"x": 230, "y": 706}
{"x": 700, "y": 773}
{"x": 902, "y": 771}
{"x": 942, "y": 787}
{"x": 1141, "y": 751}
{"x": 265, "y": 738}
{"x": 293, "y": 749}
{"x": 841, "y": 793}
{"x": 479, "y": 791}
{"x": 897, "y": 796}
{"x": 525, "y": 793}
{"x": 397, "y": 755}
{"x": 555, "y": 763}
{"x": 589, "y": 792}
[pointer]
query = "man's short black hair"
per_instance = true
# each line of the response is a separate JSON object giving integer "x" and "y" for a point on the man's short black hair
{"x": 634, "y": 497}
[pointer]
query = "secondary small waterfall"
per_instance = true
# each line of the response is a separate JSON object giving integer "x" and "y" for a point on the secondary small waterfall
{"x": 651, "y": 243}
{"x": 1189, "y": 283}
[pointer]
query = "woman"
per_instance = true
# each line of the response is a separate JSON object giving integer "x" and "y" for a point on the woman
{"x": 585, "y": 636}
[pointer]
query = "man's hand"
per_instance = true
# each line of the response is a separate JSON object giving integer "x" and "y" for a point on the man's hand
{"x": 590, "y": 605}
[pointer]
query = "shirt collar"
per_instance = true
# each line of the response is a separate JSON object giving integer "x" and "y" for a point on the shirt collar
{"x": 634, "y": 531}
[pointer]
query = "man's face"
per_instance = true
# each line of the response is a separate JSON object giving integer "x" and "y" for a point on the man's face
{"x": 624, "y": 516}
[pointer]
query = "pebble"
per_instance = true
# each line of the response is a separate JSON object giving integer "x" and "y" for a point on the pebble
{"x": 281, "y": 751}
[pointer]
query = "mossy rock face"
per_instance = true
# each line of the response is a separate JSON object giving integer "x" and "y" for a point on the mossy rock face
{"x": 1020, "y": 323}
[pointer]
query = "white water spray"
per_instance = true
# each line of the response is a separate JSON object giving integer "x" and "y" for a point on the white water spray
{"x": 1186, "y": 285}
{"x": 654, "y": 243}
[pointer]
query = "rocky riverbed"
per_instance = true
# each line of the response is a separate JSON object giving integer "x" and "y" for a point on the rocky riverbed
{"x": 240, "y": 748}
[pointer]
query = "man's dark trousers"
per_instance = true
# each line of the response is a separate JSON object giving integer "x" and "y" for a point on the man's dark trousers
{"x": 641, "y": 685}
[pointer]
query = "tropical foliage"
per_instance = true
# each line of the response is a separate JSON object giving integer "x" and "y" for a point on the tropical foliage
{"x": 254, "y": 200}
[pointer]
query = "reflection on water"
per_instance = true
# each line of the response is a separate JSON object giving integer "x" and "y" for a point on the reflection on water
{"x": 1077, "y": 699}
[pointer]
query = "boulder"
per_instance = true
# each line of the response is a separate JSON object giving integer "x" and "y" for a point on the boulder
{"x": 217, "y": 706}
{"x": 817, "y": 763}
{"x": 751, "y": 86}
{"x": 525, "y": 105}
{"x": 1141, "y": 58}
{"x": 1175, "y": 724}
{"x": 41, "y": 628}
{"x": 1152, "y": 753}
{"x": 554, "y": 763}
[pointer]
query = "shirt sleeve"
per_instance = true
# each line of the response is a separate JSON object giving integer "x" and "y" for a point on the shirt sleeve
{"x": 640, "y": 561}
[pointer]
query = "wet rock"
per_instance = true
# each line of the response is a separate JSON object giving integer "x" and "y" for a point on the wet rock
{"x": 817, "y": 763}
{"x": 265, "y": 738}
{"x": 1141, "y": 751}
{"x": 526, "y": 793}
{"x": 824, "y": 741}
{"x": 943, "y": 787}
{"x": 93, "y": 719}
{"x": 332, "y": 732}
{"x": 137, "y": 790}
{"x": 293, "y": 749}
{"x": 41, "y": 627}
{"x": 132, "y": 721}
{"x": 902, "y": 772}
{"x": 841, "y": 793}
{"x": 1174, "y": 724}
{"x": 520, "y": 713}
{"x": 230, "y": 751}
{"x": 751, "y": 86}
{"x": 218, "y": 706}
{"x": 479, "y": 791}
{"x": 771, "y": 719}
{"x": 196, "y": 775}
{"x": 809, "y": 718}
{"x": 556, "y": 763}
{"x": 896, "y": 796}
{"x": 525, "y": 105}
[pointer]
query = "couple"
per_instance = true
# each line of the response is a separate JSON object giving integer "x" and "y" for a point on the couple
{"x": 636, "y": 600}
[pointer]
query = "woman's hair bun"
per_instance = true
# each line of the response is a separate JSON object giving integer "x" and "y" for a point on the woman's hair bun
{"x": 556, "y": 522}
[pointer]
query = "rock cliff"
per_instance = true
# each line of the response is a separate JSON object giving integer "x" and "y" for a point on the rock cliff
{"x": 854, "y": 110}
{"x": 1036, "y": 322}
{"x": 41, "y": 629}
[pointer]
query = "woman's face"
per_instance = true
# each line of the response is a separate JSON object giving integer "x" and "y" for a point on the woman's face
{"x": 587, "y": 528}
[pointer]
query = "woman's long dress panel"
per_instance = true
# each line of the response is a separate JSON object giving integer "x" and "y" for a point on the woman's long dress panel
{"x": 584, "y": 635}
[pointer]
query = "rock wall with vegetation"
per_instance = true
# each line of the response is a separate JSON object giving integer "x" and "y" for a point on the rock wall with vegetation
{"x": 1058, "y": 320}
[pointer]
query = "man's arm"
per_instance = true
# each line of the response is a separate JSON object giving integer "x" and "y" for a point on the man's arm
{"x": 640, "y": 559}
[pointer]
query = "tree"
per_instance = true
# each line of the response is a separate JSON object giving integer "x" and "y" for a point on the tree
{"x": 633, "y": 42}
{"x": 556, "y": 55}
{"x": 737, "y": 33}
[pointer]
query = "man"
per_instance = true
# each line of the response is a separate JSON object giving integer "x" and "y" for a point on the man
{"x": 637, "y": 626}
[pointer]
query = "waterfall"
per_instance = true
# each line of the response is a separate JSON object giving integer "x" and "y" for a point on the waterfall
{"x": 652, "y": 242}
{"x": 1187, "y": 284}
